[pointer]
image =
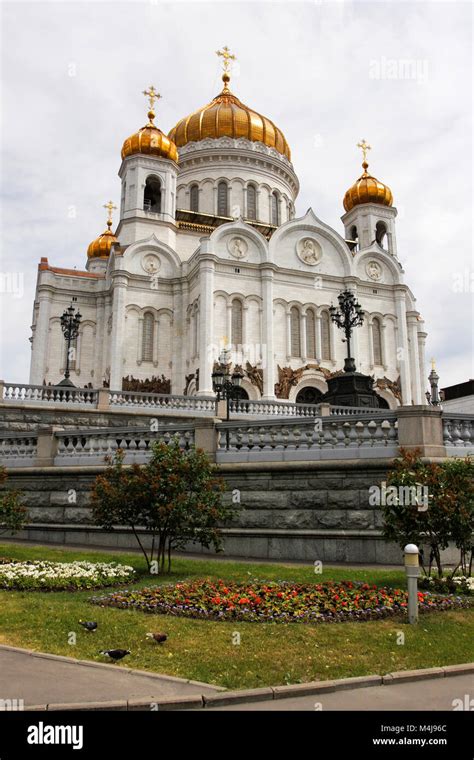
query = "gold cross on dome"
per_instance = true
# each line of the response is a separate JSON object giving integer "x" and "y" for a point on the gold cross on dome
{"x": 152, "y": 94}
{"x": 227, "y": 56}
{"x": 110, "y": 208}
{"x": 364, "y": 146}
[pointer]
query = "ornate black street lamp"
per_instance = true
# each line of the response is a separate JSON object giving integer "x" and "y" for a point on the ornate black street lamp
{"x": 348, "y": 316}
{"x": 226, "y": 385}
{"x": 70, "y": 322}
{"x": 433, "y": 398}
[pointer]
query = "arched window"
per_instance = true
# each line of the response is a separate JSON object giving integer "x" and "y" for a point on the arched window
{"x": 222, "y": 205}
{"x": 275, "y": 209}
{"x": 295, "y": 331}
{"x": 310, "y": 334}
{"x": 354, "y": 236}
{"x": 380, "y": 233}
{"x": 147, "y": 338}
{"x": 377, "y": 340}
{"x": 251, "y": 202}
{"x": 237, "y": 312}
{"x": 152, "y": 195}
{"x": 194, "y": 198}
{"x": 325, "y": 336}
{"x": 309, "y": 395}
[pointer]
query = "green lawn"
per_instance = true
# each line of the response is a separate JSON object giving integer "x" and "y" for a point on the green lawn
{"x": 268, "y": 654}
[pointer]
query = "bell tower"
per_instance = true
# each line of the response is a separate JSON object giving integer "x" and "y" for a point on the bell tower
{"x": 370, "y": 215}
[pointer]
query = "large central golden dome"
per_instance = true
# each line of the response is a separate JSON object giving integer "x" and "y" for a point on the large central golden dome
{"x": 226, "y": 116}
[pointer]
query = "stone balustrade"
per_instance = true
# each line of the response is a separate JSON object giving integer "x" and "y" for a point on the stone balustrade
{"x": 163, "y": 402}
{"x": 274, "y": 408}
{"x": 18, "y": 449}
{"x": 458, "y": 431}
{"x": 47, "y": 394}
{"x": 320, "y": 438}
{"x": 93, "y": 447}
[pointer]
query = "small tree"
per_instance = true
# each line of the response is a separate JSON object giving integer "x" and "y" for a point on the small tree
{"x": 175, "y": 497}
{"x": 450, "y": 512}
{"x": 12, "y": 512}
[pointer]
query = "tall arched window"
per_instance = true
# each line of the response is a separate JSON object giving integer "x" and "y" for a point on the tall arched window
{"x": 380, "y": 233}
{"x": 237, "y": 313}
{"x": 325, "y": 336}
{"x": 194, "y": 198}
{"x": 275, "y": 209}
{"x": 295, "y": 331}
{"x": 222, "y": 205}
{"x": 152, "y": 195}
{"x": 310, "y": 334}
{"x": 251, "y": 202}
{"x": 377, "y": 340}
{"x": 147, "y": 340}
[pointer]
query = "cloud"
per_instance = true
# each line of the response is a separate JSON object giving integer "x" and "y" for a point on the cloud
{"x": 328, "y": 73}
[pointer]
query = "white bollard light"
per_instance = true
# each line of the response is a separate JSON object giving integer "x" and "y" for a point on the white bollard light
{"x": 412, "y": 569}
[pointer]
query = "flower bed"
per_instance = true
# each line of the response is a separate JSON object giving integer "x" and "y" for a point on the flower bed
{"x": 62, "y": 576}
{"x": 274, "y": 602}
{"x": 460, "y": 584}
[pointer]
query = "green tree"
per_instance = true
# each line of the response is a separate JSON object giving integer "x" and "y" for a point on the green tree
{"x": 12, "y": 512}
{"x": 450, "y": 513}
{"x": 176, "y": 497}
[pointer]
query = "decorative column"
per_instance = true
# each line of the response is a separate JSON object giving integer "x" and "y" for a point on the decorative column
{"x": 371, "y": 344}
{"x": 206, "y": 320}
{"x": 140, "y": 339}
{"x": 402, "y": 347}
{"x": 99, "y": 358}
{"x": 118, "y": 331}
{"x": 267, "y": 334}
{"x": 414, "y": 359}
{"x": 229, "y": 323}
{"x": 421, "y": 352}
{"x": 303, "y": 337}
{"x": 319, "y": 347}
{"x": 41, "y": 339}
{"x": 156, "y": 338}
{"x": 288, "y": 335}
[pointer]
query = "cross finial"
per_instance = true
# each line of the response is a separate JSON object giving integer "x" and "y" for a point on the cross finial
{"x": 227, "y": 57}
{"x": 152, "y": 95}
{"x": 110, "y": 208}
{"x": 364, "y": 146}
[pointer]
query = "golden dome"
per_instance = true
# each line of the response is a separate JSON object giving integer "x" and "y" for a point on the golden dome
{"x": 367, "y": 189}
{"x": 226, "y": 116}
{"x": 149, "y": 139}
{"x": 100, "y": 247}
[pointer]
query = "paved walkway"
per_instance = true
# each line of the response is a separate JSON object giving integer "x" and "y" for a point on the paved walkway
{"x": 435, "y": 694}
{"x": 41, "y": 679}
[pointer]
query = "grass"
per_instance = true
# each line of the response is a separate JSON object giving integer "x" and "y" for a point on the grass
{"x": 268, "y": 654}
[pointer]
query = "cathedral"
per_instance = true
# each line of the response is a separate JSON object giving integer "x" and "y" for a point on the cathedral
{"x": 209, "y": 253}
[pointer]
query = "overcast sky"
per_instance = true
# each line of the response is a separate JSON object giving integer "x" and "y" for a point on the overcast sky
{"x": 328, "y": 73}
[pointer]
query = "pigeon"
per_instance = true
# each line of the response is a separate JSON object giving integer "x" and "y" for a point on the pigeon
{"x": 89, "y": 625}
{"x": 160, "y": 638}
{"x": 115, "y": 654}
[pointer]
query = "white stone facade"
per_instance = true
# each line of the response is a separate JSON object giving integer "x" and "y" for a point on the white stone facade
{"x": 173, "y": 292}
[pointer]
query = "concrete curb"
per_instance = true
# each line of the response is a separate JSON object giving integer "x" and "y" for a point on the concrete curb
{"x": 103, "y": 665}
{"x": 199, "y": 701}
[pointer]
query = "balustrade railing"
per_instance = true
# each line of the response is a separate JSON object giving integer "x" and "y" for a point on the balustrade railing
{"x": 273, "y": 408}
{"x": 56, "y": 394}
{"x": 162, "y": 402}
{"x": 18, "y": 449}
{"x": 458, "y": 430}
{"x": 286, "y": 439}
{"x": 93, "y": 446}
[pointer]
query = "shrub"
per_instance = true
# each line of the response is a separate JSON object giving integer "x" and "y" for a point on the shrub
{"x": 450, "y": 513}
{"x": 175, "y": 497}
{"x": 12, "y": 512}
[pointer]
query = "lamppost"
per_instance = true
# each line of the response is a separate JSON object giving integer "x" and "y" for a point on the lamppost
{"x": 434, "y": 397}
{"x": 70, "y": 322}
{"x": 226, "y": 385}
{"x": 348, "y": 316}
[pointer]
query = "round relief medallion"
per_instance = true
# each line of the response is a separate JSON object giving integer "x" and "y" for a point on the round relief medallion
{"x": 309, "y": 251}
{"x": 374, "y": 270}
{"x": 237, "y": 247}
{"x": 151, "y": 263}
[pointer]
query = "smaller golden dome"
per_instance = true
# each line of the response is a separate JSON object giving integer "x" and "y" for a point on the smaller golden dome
{"x": 367, "y": 189}
{"x": 149, "y": 139}
{"x": 100, "y": 247}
